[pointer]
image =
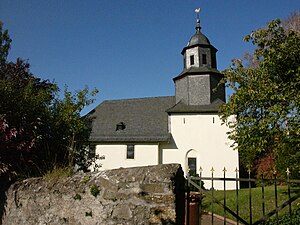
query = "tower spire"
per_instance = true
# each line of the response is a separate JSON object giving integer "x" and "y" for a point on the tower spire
{"x": 196, "y": 83}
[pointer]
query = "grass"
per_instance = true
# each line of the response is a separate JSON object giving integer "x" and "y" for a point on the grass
{"x": 256, "y": 201}
{"x": 58, "y": 172}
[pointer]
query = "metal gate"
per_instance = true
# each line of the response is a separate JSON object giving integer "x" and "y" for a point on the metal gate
{"x": 195, "y": 183}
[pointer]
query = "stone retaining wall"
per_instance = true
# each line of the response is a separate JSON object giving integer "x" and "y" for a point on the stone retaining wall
{"x": 140, "y": 195}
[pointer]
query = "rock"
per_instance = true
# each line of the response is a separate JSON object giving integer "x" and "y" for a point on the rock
{"x": 140, "y": 195}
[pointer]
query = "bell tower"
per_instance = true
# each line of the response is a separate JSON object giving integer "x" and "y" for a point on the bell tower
{"x": 196, "y": 84}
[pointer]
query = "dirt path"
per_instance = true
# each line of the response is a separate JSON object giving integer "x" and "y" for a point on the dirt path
{"x": 218, "y": 220}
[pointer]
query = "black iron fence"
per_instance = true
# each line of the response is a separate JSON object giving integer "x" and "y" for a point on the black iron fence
{"x": 264, "y": 199}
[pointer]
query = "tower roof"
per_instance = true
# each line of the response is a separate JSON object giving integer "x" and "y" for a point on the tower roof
{"x": 198, "y": 38}
{"x": 196, "y": 83}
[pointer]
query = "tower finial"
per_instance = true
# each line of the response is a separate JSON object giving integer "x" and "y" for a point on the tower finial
{"x": 198, "y": 27}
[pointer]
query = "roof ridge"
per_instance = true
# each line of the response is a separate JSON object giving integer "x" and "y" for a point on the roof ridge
{"x": 135, "y": 99}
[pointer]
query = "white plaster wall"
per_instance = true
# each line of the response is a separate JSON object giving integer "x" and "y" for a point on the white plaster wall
{"x": 189, "y": 52}
{"x": 115, "y": 155}
{"x": 206, "y": 137}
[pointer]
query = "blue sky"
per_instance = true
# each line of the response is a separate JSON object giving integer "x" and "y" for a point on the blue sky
{"x": 128, "y": 48}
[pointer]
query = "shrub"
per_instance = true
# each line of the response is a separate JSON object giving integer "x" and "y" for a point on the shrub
{"x": 77, "y": 197}
{"x": 265, "y": 167}
{"x": 287, "y": 219}
{"x": 95, "y": 190}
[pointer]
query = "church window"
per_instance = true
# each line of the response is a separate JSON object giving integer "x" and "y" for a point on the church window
{"x": 192, "y": 163}
{"x": 192, "y": 60}
{"x": 204, "y": 60}
{"x": 130, "y": 152}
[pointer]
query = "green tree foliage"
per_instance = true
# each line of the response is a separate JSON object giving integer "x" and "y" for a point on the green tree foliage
{"x": 4, "y": 43}
{"x": 38, "y": 130}
{"x": 24, "y": 102}
{"x": 69, "y": 130}
{"x": 266, "y": 99}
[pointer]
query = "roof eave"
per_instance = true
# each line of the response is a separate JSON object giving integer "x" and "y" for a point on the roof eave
{"x": 198, "y": 45}
{"x": 103, "y": 139}
{"x": 202, "y": 72}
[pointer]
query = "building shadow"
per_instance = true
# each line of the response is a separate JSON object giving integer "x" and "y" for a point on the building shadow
{"x": 179, "y": 181}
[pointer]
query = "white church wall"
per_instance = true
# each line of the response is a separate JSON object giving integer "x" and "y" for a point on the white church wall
{"x": 115, "y": 155}
{"x": 204, "y": 138}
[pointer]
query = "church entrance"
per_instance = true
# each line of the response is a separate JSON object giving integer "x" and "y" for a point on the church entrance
{"x": 191, "y": 162}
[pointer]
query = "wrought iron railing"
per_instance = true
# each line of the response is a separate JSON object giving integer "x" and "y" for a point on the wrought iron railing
{"x": 195, "y": 182}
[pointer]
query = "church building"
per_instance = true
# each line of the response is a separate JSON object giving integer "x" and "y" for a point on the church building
{"x": 184, "y": 128}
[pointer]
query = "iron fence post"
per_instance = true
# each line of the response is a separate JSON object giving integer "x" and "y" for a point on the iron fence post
{"x": 188, "y": 201}
{"x": 237, "y": 195}
{"x": 263, "y": 196}
{"x": 200, "y": 191}
{"x": 224, "y": 170}
{"x": 289, "y": 191}
{"x": 250, "y": 197}
{"x": 276, "y": 196}
{"x": 212, "y": 192}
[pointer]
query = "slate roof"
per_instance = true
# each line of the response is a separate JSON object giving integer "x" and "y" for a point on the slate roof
{"x": 183, "y": 108}
{"x": 197, "y": 71}
{"x": 198, "y": 39}
{"x": 145, "y": 119}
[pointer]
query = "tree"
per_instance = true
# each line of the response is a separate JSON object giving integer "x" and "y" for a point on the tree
{"x": 69, "y": 130}
{"x": 4, "y": 43}
{"x": 38, "y": 130}
{"x": 24, "y": 113}
{"x": 292, "y": 22}
{"x": 23, "y": 108}
{"x": 266, "y": 99}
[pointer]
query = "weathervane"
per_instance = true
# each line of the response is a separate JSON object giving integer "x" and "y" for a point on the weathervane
{"x": 198, "y": 12}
